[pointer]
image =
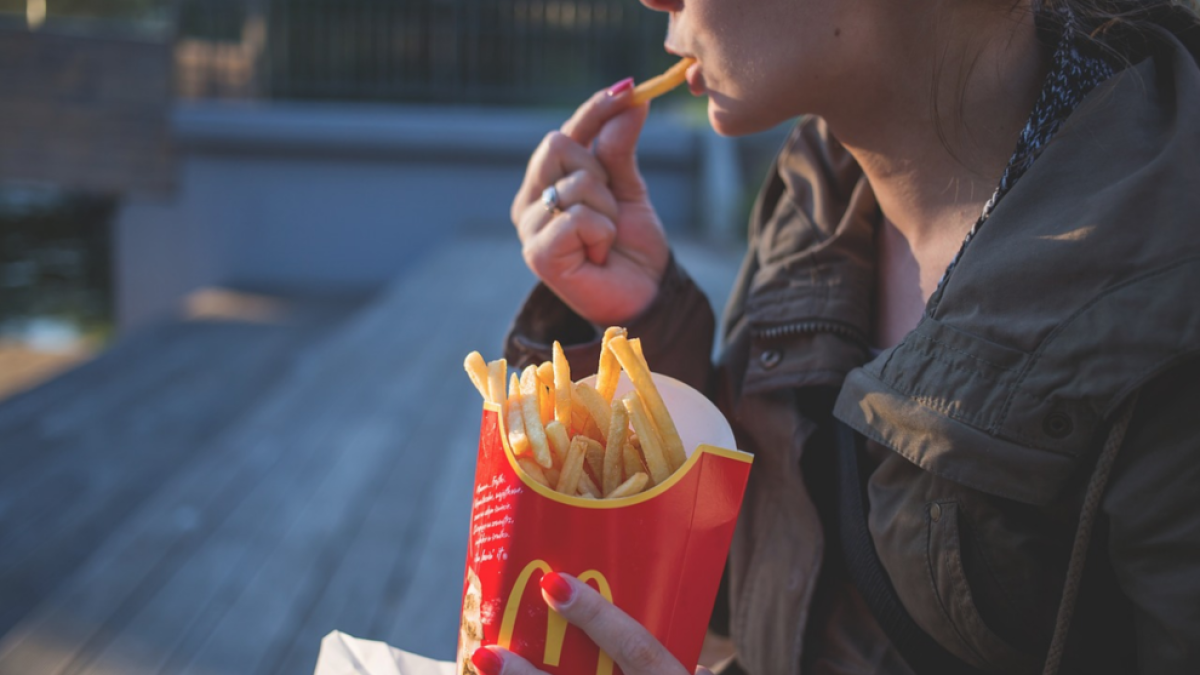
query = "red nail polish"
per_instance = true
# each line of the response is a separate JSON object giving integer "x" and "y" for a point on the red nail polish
{"x": 487, "y": 662}
{"x": 557, "y": 587}
{"x": 621, "y": 87}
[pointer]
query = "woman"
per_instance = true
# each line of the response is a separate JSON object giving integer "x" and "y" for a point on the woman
{"x": 975, "y": 441}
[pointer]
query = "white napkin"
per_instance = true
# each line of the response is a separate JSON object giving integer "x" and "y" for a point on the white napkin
{"x": 342, "y": 654}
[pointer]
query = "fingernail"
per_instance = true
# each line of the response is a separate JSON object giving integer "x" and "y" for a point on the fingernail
{"x": 557, "y": 587}
{"x": 621, "y": 87}
{"x": 487, "y": 662}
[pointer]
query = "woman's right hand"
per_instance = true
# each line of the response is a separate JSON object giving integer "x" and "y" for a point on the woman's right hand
{"x": 603, "y": 252}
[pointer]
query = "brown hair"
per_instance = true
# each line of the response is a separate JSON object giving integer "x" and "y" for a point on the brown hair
{"x": 1122, "y": 30}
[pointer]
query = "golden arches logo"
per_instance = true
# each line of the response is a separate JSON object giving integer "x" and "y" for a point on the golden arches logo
{"x": 556, "y": 625}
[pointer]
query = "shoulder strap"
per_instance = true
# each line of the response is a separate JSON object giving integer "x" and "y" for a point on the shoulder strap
{"x": 923, "y": 653}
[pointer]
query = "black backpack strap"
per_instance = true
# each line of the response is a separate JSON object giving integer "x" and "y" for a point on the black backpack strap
{"x": 923, "y": 653}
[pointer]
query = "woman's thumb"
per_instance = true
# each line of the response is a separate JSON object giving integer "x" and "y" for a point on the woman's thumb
{"x": 616, "y": 148}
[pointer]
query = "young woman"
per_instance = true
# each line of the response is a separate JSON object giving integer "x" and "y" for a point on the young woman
{"x": 964, "y": 345}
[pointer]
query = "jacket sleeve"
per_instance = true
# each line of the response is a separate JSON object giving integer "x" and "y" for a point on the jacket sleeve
{"x": 1153, "y": 504}
{"x": 677, "y": 331}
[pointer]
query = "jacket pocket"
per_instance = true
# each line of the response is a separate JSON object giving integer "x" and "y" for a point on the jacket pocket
{"x": 976, "y": 643}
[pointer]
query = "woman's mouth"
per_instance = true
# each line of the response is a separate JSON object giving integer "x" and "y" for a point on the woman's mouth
{"x": 695, "y": 79}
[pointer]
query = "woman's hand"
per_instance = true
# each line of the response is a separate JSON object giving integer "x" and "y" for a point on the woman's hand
{"x": 603, "y": 250}
{"x": 629, "y": 644}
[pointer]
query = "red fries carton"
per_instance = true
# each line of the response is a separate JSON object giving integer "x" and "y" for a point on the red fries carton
{"x": 657, "y": 555}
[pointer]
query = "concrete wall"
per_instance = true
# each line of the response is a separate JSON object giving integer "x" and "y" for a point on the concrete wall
{"x": 336, "y": 198}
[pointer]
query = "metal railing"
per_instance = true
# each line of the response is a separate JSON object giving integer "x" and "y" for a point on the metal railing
{"x": 497, "y": 52}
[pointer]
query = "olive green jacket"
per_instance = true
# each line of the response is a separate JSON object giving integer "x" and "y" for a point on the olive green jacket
{"x": 1081, "y": 289}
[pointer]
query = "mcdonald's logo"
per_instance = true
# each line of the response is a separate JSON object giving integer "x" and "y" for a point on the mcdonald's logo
{"x": 556, "y": 625}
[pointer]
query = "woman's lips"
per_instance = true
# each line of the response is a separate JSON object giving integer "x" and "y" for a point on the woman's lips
{"x": 695, "y": 79}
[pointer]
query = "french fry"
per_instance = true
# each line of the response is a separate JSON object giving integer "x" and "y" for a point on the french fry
{"x": 562, "y": 385}
{"x": 560, "y": 441}
{"x": 568, "y": 479}
{"x": 652, "y": 450}
{"x": 639, "y": 375}
{"x": 635, "y": 484}
{"x": 657, "y": 86}
{"x": 587, "y": 487}
{"x": 545, "y": 402}
{"x": 497, "y": 373}
{"x": 632, "y": 461}
{"x": 546, "y": 373}
{"x": 477, "y": 370}
{"x": 533, "y": 419}
{"x": 636, "y": 344}
{"x": 552, "y": 476}
{"x": 594, "y": 454}
{"x": 618, "y": 430}
{"x": 609, "y": 370}
{"x": 535, "y": 472}
{"x": 596, "y": 406}
{"x": 517, "y": 439}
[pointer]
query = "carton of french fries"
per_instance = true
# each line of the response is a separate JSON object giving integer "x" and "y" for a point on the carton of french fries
{"x": 625, "y": 479}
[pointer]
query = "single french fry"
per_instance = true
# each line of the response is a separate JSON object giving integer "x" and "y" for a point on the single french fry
{"x": 579, "y": 414}
{"x": 535, "y": 472}
{"x": 562, "y": 385}
{"x": 560, "y": 441}
{"x": 533, "y": 419}
{"x": 594, "y": 454}
{"x": 618, "y": 430}
{"x": 587, "y": 487}
{"x": 546, "y": 373}
{"x": 609, "y": 370}
{"x": 585, "y": 496}
{"x": 497, "y": 374}
{"x": 657, "y": 86}
{"x": 636, "y": 343}
{"x": 545, "y": 402}
{"x": 639, "y": 375}
{"x": 636, "y": 483}
{"x": 552, "y": 476}
{"x": 656, "y": 460}
{"x": 596, "y": 406}
{"x": 568, "y": 479}
{"x": 631, "y": 458}
{"x": 517, "y": 439}
{"x": 477, "y": 370}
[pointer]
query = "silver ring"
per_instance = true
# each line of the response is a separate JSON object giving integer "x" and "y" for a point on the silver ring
{"x": 550, "y": 199}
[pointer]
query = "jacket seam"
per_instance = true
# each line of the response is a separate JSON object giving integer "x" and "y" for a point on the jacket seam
{"x": 963, "y": 352}
{"x": 1038, "y": 353}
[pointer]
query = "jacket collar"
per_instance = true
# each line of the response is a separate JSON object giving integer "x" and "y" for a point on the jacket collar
{"x": 1077, "y": 292}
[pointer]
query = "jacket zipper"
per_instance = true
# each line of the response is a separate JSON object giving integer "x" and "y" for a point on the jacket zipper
{"x": 811, "y": 326}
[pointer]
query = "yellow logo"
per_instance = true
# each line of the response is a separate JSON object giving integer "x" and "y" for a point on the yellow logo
{"x": 556, "y": 625}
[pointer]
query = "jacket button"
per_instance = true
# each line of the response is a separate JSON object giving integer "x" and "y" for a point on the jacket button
{"x": 935, "y": 512}
{"x": 770, "y": 358}
{"x": 1058, "y": 425}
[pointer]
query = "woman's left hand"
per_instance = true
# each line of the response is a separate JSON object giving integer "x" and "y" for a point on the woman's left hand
{"x": 629, "y": 644}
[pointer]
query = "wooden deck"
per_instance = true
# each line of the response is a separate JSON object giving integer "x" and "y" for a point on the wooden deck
{"x": 214, "y": 495}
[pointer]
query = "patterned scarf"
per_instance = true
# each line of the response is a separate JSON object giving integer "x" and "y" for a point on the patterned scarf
{"x": 1073, "y": 75}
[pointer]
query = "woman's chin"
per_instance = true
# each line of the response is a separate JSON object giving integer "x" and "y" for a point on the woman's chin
{"x": 729, "y": 121}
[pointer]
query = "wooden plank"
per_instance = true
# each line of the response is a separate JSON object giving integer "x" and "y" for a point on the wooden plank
{"x": 76, "y": 487}
{"x": 121, "y": 586}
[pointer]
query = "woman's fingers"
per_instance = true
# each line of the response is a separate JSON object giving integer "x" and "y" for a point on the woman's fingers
{"x": 614, "y": 125}
{"x": 571, "y": 238}
{"x": 580, "y": 187}
{"x": 500, "y": 661}
{"x": 629, "y": 644}
{"x": 588, "y": 119}
{"x": 556, "y": 156}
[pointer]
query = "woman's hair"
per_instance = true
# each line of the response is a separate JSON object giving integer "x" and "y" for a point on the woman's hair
{"x": 1121, "y": 29}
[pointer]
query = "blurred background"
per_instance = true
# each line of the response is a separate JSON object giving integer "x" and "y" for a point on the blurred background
{"x": 244, "y": 247}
